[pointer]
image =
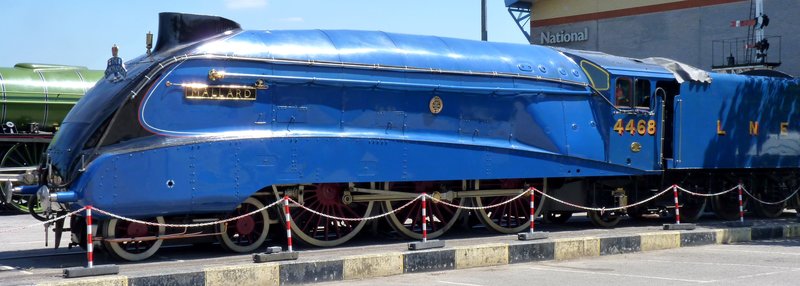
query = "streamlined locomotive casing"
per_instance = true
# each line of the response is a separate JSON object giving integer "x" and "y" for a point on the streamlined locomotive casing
{"x": 333, "y": 106}
{"x": 203, "y": 123}
{"x": 42, "y": 93}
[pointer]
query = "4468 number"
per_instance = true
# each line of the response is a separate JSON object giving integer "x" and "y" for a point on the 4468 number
{"x": 634, "y": 127}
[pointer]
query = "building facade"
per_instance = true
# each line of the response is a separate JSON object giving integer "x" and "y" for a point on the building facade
{"x": 697, "y": 32}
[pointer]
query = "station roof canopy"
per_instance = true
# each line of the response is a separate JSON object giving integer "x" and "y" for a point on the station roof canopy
{"x": 519, "y": 3}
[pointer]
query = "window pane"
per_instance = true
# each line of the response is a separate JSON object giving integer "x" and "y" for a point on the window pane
{"x": 642, "y": 95}
{"x": 597, "y": 76}
{"x": 622, "y": 92}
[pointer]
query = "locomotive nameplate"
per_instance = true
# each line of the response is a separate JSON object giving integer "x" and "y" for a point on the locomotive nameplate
{"x": 219, "y": 92}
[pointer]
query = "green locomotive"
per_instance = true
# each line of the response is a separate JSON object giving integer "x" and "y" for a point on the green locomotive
{"x": 34, "y": 99}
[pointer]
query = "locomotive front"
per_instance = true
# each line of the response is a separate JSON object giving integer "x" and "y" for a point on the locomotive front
{"x": 104, "y": 115}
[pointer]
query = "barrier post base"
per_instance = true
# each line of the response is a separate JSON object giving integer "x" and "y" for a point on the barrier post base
{"x": 419, "y": 245}
{"x": 98, "y": 270}
{"x": 275, "y": 253}
{"x": 739, "y": 224}
{"x": 683, "y": 226}
{"x": 532, "y": 236}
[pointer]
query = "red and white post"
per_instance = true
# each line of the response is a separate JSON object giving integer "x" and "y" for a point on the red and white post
{"x": 288, "y": 222}
{"x": 89, "y": 243}
{"x": 532, "y": 234}
{"x": 741, "y": 207}
{"x": 677, "y": 225}
{"x": 275, "y": 253}
{"x": 677, "y": 205}
{"x": 90, "y": 269}
{"x": 424, "y": 218}
{"x": 533, "y": 210}
{"x": 425, "y": 244}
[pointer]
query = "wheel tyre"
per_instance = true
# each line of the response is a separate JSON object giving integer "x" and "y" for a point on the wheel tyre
{"x": 401, "y": 228}
{"x": 557, "y": 217}
{"x": 302, "y": 217}
{"x": 603, "y": 220}
{"x": 725, "y": 208}
{"x": 768, "y": 211}
{"x": 692, "y": 211}
{"x": 231, "y": 244}
{"x": 116, "y": 250}
{"x": 520, "y": 206}
{"x": 796, "y": 202}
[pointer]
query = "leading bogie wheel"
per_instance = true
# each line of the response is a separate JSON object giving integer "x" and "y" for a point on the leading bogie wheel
{"x": 132, "y": 241}
{"x": 246, "y": 233}
{"x": 334, "y": 200}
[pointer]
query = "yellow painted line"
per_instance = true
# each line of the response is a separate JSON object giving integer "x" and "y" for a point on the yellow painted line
{"x": 660, "y": 240}
{"x": 244, "y": 275}
{"x": 481, "y": 255}
{"x": 117, "y": 280}
{"x": 733, "y": 235}
{"x": 377, "y": 265}
{"x": 792, "y": 230}
{"x": 570, "y": 248}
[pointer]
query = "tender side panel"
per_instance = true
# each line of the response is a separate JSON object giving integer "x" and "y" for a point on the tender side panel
{"x": 738, "y": 122}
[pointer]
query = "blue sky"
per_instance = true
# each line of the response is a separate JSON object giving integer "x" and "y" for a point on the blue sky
{"x": 81, "y": 32}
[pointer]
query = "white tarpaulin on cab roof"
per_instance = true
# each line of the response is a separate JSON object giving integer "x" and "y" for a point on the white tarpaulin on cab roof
{"x": 682, "y": 72}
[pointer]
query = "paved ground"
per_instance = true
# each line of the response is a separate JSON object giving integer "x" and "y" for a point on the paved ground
{"x": 773, "y": 262}
{"x": 24, "y": 259}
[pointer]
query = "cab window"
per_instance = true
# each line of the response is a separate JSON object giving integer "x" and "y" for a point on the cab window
{"x": 642, "y": 94}
{"x": 622, "y": 92}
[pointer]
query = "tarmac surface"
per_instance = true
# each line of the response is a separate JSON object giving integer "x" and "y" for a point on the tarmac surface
{"x": 768, "y": 262}
{"x": 25, "y": 260}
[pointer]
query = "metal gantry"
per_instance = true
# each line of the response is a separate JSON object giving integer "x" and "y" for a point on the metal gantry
{"x": 520, "y": 11}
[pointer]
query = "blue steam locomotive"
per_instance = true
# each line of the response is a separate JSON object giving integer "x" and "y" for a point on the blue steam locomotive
{"x": 218, "y": 121}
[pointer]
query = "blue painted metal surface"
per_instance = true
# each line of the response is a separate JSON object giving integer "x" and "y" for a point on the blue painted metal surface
{"x": 353, "y": 106}
{"x": 738, "y": 103}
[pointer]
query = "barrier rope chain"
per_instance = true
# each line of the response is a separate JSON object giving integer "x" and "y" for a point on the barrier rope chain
{"x": 434, "y": 199}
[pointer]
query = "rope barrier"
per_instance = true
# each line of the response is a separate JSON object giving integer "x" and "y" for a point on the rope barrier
{"x": 707, "y": 195}
{"x": 42, "y": 222}
{"x": 771, "y": 203}
{"x": 603, "y": 209}
{"x": 421, "y": 196}
{"x": 355, "y": 219}
{"x": 438, "y": 201}
{"x": 186, "y": 225}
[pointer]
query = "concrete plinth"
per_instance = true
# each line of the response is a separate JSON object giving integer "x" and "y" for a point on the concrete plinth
{"x": 682, "y": 226}
{"x": 532, "y": 236}
{"x": 419, "y": 245}
{"x": 76, "y": 272}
